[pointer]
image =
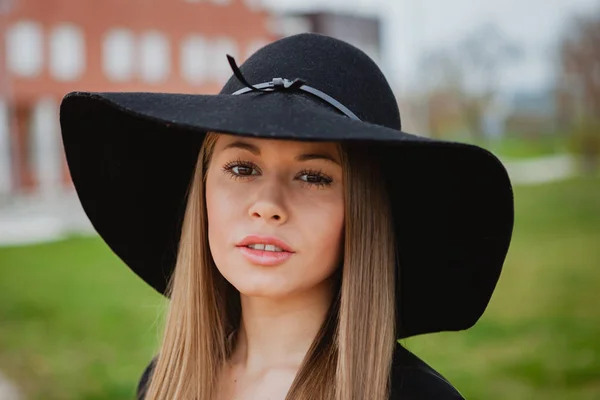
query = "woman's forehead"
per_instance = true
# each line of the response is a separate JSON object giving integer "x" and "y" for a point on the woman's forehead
{"x": 262, "y": 145}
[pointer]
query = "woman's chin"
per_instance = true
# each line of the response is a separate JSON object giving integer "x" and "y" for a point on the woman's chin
{"x": 274, "y": 282}
{"x": 264, "y": 293}
{"x": 262, "y": 288}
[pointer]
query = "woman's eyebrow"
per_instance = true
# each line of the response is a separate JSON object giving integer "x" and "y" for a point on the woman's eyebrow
{"x": 238, "y": 144}
{"x": 317, "y": 156}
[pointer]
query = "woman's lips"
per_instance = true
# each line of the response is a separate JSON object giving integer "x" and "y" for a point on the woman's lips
{"x": 257, "y": 239}
{"x": 263, "y": 257}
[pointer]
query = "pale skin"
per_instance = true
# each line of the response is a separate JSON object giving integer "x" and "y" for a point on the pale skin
{"x": 292, "y": 191}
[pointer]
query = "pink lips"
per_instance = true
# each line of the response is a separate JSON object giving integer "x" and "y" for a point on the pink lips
{"x": 262, "y": 257}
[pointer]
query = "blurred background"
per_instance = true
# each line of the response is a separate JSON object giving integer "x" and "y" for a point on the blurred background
{"x": 519, "y": 77}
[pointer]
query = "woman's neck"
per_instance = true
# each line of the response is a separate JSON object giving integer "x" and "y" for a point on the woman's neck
{"x": 277, "y": 333}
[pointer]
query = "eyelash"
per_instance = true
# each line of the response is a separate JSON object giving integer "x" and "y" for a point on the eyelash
{"x": 325, "y": 179}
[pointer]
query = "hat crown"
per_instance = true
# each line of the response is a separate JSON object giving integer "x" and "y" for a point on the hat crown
{"x": 330, "y": 65}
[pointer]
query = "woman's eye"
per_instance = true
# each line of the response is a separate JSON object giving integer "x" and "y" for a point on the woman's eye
{"x": 314, "y": 178}
{"x": 311, "y": 178}
{"x": 240, "y": 169}
{"x": 243, "y": 170}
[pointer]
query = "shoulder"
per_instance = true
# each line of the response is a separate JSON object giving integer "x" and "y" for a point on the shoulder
{"x": 413, "y": 379}
{"x": 144, "y": 380}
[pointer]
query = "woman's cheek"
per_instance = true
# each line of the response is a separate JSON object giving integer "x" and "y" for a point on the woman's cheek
{"x": 323, "y": 224}
{"x": 221, "y": 211}
{"x": 224, "y": 195}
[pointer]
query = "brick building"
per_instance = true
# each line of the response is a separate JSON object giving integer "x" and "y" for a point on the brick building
{"x": 52, "y": 47}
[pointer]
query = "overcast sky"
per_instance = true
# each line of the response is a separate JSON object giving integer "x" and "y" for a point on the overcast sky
{"x": 412, "y": 26}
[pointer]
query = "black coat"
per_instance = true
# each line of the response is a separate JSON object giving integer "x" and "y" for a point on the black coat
{"x": 412, "y": 379}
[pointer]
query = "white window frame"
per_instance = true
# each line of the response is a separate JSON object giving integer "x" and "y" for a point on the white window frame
{"x": 154, "y": 60}
{"x": 195, "y": 59}
{"x": 67, "y": 52}
{"x": 118, "y": 54}
{"x": 25, "y": 48}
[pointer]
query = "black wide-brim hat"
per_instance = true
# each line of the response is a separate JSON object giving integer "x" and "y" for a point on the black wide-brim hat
{"x": 132, "y": 155}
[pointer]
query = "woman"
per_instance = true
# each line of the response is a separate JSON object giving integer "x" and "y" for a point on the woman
{"x": 297, "y": 231}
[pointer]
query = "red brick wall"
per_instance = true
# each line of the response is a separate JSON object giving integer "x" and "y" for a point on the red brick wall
{"x": 175, "y": 19}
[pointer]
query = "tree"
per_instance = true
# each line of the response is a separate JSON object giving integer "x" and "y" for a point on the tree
{"x": 580, "y": 61}
{"x": 579, "y": 54}
{"x": 470, "y": 72}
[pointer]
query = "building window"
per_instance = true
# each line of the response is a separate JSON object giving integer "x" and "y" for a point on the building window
{"x": 6, "y": 160}
{"x": 24, "y": 49}
{"x": 221, "y": 70}
{"x": 118, "y": 55}
{"x": 67, "y": 52}
{"x": 45, "y": 146}
{"x": 155, "y": 58}
{"x": 195, "y": 59}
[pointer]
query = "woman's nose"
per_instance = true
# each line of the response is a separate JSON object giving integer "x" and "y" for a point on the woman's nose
{"x": 269, "y": 204}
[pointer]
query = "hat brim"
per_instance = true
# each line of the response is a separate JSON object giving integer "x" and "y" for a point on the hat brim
{"x": 131, "y": 157}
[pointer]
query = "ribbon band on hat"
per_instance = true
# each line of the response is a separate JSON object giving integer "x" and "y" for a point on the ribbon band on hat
{"x": 278, "y": 84}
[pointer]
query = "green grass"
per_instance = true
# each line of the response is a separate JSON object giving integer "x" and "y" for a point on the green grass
{"x": 76, "y": 324}
{"x": 519, "y": 147}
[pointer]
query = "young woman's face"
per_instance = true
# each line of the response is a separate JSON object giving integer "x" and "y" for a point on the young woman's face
{"x": 275, "y": 213}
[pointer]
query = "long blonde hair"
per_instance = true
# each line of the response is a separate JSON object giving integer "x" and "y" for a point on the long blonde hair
{"x": 351, "y": 356}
